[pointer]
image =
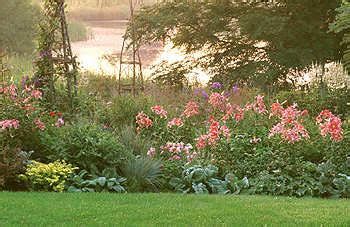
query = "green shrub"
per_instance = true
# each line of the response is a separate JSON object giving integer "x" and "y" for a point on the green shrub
{"x": 86, "y": 145}
{"x": 48, "y": 177}
{"x": 321, "y": 180}
{"x": 123, "y": 109}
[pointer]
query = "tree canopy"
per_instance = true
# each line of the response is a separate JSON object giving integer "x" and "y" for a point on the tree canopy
{"x": 240, "y": 42}
{"x": 17, "y": 25}
{"x": 342, "y": 25}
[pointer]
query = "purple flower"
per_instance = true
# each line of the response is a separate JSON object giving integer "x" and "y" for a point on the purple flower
{"x": 44, "y": 53}
{"x": 196, "y": 91}
{"x": 205, "y": 95}
{"x": 227, "y": 94}
{"x": 216, "y": 85}
{"x": 235, "y": 88}
{"x": 24, "y": 81}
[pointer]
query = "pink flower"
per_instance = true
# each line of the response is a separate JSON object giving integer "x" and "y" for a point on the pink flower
{"x": 177, "y": 151}
{"x": 151, "y": 152}
{"x": 239, "y": 115}
{"x": 330, "y": 124}
{"x": 225, "y": 131}
{"x": 8, "y": 124}
{"x": 60, "y": 122}
{"x": 191, "y": 109}
{"x": 143, "y": 121}
{"x": 175, "y": 157}
{"x": 175, "y": 122}
{"x": 229, "y": 111}
{"x": 289, "y": 128}
{"x": 201, "y": 142}
{"x": 37, "y": 94}
{"x": 276, "y": 109}
{"x": 218, "y": 101}
{"x": 259, "y": 105}
{"x": 214, "y": 132}
{"x": 159, "y": 111}
{"x": 39, "y": 124}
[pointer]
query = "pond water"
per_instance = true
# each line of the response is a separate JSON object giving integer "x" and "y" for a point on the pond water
{"x": 107, "y": 39}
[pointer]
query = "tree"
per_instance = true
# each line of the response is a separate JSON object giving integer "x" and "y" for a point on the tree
{"x": 256, "y": 44}
{"x": 17, "y": 25}
{"x": 342, "y": 25}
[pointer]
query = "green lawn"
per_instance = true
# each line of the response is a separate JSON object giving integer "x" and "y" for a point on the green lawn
{"x": 88, "y": 209}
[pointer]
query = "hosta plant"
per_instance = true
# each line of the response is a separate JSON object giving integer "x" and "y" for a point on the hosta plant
{"x": 83, "y": 182}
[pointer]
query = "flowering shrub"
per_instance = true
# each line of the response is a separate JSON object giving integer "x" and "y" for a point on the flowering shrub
{"x": 24, "y": 104}
{"x": 85, "y": 145}
{"x": 22, "y": 117}
{"x": 246, "y": 139}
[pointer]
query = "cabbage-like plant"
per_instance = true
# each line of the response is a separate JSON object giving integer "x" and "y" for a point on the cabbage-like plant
{"x": 200, "y": 180}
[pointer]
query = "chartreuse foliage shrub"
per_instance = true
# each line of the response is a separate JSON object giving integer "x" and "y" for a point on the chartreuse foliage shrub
{"x": 86, "y": 145}
{"x": 48, "y": 177}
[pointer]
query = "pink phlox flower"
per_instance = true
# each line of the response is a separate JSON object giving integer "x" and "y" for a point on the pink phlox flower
{"x": 218, "y": 101}
{"x": 276, "y": 109}
{"x": 160, "y": 111}
{"x": 191, "y": 109}
{"x": 225, "y": 131}
{"x": 239, "y": 115}
{"x": 259, "y": 105}
{"x": 229, "y": 111}
{"x": 330, "y": 124}
{"x": 175, "y": 122}
{"x": 37, "y": 94}
{"x": 143, "y": 121}
{"x": 201, "y": 142}
{"x": 39, "y": 124}
{"x": 151, "y": 152}
{"x": 8, "y": 124}
{"x": 60, "y": 122}
{"x": 289, "y": 127}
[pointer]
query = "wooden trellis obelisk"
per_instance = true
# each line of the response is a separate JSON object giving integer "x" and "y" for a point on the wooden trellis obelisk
{"x": 130, "y": 64}
{"x": 56, "y": 58}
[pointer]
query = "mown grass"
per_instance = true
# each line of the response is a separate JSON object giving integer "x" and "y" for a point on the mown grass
{"x": 57, "y": 209}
